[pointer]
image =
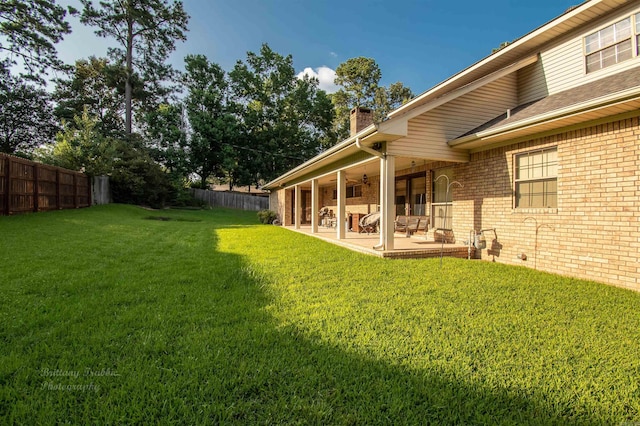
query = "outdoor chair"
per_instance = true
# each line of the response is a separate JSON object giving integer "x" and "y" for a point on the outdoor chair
{"x": 407, "y": 224}
{"x": 423, "y": 225}
{"x": 400, "y": 224}
{"x": 369, "y": 223}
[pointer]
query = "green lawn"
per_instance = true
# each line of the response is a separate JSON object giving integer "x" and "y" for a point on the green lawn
{"x": 109, "y": 316}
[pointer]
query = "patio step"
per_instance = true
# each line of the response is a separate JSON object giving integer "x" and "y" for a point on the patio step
{"x": 459, "y": 252}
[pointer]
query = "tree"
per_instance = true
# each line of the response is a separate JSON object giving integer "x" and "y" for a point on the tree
{"x": 95, "y": 86}
{"x": 359, "y": 79}
{"x": 213, "y": 126}
{"x": 135, "y": 177}
{"x": 81, "y": 147}
{"x": 285, "y": 119}
{"x": 29, "y": 31}
{"x": 389, "y": 98}
{"x": 501, "y": 46}
{"x": 26, "y": 114}
{"x": 146, "y": 31}
{"x": 167, "y": 136}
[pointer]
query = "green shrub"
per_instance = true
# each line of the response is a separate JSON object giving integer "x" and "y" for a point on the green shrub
{"x": 137, "y": 179}
{"x": 267, "y": 216}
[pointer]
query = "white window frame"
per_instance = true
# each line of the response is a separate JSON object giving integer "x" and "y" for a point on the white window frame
{"x": 612, "y": 46}
{"x": 549, "y": 172}
{"x": 354, "y": 191}
{"x": 636, "y": 18}
{"x": 351, "y": 192}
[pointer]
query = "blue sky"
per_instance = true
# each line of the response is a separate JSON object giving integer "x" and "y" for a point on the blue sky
{"x": 419, "y": 43}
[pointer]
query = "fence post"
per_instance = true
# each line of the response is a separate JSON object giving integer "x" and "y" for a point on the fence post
{"x": 75, "y": 191}
{"x": 36, "y": 190}
{"x": 58, "y": 206}
{"x": 89, "y": 191}
{"x": 7, "y": 194}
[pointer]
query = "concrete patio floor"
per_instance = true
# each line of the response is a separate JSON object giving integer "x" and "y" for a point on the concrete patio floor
{"x": 416, "y": 246}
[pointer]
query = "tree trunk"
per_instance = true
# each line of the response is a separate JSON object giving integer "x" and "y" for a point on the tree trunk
{"x": 128, "y": 91}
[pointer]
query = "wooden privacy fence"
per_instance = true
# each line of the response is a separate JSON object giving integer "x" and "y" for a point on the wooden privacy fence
{"x": 231, "y": 200}
{"x": 27, "y": 186}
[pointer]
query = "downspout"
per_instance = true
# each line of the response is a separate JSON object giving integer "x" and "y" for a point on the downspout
{"x": 367, "y": 149}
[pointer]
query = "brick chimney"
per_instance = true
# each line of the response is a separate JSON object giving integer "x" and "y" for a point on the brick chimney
{"x": 360, "y": 118}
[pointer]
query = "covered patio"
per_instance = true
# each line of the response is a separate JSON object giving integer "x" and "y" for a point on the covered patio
{"x": 417, "y": 246}
{"x": 368, "y": 173}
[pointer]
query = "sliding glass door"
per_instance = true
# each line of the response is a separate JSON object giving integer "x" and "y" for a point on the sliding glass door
{"x": 411, "y": 195}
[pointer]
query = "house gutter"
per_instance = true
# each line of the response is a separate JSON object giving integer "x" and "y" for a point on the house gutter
{"x": 334, "y": 150}
{"x": 367, "y": 149}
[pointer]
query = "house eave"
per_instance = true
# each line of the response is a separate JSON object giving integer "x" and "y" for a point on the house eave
{"x": 598, "y": 108}
{"x": 525, "y": 46}
{"x": 521, "y": 52}
{"x": 336, "y": 152}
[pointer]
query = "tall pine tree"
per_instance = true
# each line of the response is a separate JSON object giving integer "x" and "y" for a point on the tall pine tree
{"x": 146, "y": 32}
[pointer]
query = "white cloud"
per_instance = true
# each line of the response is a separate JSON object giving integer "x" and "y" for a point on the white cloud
{"x": 324, "y": 74}
{"x": 334, "y": 54}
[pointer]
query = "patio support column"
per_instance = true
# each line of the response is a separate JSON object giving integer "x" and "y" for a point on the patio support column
{"x": 387, "y": 201}
{"x": 297, "y": 209}
{"x": 314, "y": 206}
{"x": 342, "y": 201}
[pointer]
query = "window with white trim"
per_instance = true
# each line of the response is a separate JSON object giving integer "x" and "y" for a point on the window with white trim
{"x": 354, "y": 191}
{"x": 609, "y": 46}
{"x": 637, "y": 18}
{"x": 536, "y": 179}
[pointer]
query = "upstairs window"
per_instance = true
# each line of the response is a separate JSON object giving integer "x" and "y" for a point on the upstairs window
{"x": 609, "y": 46}
{"x": 536, "y": 179}
{"x": 637, "y": 33}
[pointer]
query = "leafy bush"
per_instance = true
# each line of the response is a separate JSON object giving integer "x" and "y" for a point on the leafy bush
{"x": 267, "y": 216}
{"x": 137, "y": 179}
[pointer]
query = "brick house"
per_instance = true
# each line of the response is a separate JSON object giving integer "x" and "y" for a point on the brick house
{"x": 542, "y": 138}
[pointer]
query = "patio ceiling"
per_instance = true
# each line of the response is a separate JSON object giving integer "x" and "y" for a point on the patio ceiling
{"x": 354, "y": 173}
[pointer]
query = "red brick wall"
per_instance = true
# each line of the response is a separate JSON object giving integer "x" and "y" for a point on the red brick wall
{"x": 595, "y": 231}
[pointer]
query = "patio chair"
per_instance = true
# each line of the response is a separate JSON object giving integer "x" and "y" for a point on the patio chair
{"x": 423, "y": 226}
{"x": 369, "y": 223}
{"x": 407, "y": 224}
{"x": 326, "y": 217}
{"x": 400, "y": 224}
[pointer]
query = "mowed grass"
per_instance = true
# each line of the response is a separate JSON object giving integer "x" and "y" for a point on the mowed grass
{"x": 109, "y": 316}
